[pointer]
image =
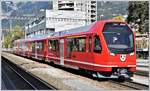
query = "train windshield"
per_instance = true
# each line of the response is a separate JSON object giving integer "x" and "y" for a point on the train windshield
{"x": 119, "y": 38}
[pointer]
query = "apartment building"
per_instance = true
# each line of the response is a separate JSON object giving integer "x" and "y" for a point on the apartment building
{"x": 87, "y": 6}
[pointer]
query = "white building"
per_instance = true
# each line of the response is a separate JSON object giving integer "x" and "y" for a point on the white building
{"x": 54, "y": 21}
{"x": 66, "y": 14}
{"x": 88, "y": 6}
{"x": 63, "y": 20}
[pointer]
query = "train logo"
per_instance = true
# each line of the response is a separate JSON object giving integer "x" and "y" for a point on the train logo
{"x": 123, "y": 57}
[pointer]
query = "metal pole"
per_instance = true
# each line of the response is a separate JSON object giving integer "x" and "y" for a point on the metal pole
{"x": 10, "y": 25}
{"x": 25, "y": 32}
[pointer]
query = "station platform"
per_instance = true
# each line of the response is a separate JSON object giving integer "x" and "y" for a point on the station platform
{"x": 142, "y": 62}
{"x": 141, "y": 79}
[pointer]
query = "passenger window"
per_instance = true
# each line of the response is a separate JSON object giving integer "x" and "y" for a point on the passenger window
{"x": 40, "y": 45}
{"x": 33, "y": 47}
{"x": 76, "y": 45}
{"x": 26, "y": 46}
{"x": 82, "y": 42}
{"x": 90, "y": 43}
{"x": 97, "y": 45}
{"x": 54, "y": 45}
{"x": 69, "y": 47}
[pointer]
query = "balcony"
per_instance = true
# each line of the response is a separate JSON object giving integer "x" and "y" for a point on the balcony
{"x": 92, "y": 16}
{"x": 93, "y": 20}
{"x": 65, "y": 2}
{"x": 93, "y": 6}
{"x": 93, "y": 3}
{"x": 66, "y": 7}
{"x": 93, "y": 11}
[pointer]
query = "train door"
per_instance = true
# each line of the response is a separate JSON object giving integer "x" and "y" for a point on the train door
{"x": 24, "y": 48}
{"x": 61, "y": 51}
{"x": 89, "y": 51}
{"x": 35, "y": 49}
{"x": 29, "y": 49}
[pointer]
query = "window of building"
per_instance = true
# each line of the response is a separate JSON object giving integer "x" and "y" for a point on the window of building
{"x": 49, "y": 30}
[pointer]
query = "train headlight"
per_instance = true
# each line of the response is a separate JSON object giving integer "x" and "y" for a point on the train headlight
{"x": 131, "y": 54}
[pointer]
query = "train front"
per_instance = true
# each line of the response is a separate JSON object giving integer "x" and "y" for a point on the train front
{"x": 118, "y": 50}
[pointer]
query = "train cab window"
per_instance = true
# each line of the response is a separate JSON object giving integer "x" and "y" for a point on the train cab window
{"x": 119, "y": 38}
{"x": 97, "y": 45}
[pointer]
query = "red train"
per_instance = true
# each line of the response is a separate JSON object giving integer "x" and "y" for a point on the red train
{"x": 105, "y": 49}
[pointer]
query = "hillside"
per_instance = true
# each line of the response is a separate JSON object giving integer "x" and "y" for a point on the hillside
{"x": 22, "y": 8}
{"x": 109, "y": 9}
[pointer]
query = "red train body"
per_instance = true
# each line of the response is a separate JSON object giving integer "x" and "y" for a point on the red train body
{"x": 105, "y": 48}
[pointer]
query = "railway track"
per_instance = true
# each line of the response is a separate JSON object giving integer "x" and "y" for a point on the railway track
{"x": 131, "y": 84}
{"x": 128, "y": 83}
{"x": 17, "y": 78}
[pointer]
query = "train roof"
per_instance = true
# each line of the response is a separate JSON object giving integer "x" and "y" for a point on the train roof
{"x": 74, "y": 30}
{"x": 67, "y": 32}
{"x": 82, "y": 29}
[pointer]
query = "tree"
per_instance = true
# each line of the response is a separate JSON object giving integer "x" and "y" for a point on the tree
{"x": 119, "y": 18}
{"x": 14, "y": 34}
{"x": 138, "y": 15}
{"x": 17, "y": 32}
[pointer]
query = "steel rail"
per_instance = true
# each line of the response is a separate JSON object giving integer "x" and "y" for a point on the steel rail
{"x": 35, "y": 82}
{"x": 21, "y": 77}
{"x": 133, "y": 85}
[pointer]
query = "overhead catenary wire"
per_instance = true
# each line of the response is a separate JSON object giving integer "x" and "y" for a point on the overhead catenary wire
{"x": 39, "y": 18}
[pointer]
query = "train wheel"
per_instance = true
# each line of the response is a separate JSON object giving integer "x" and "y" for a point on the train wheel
{"x": 121, "y": 79}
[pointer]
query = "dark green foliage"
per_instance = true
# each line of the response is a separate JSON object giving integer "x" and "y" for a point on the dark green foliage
{"x": 110, "y": 9}
{"x": 138, "y": 15}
